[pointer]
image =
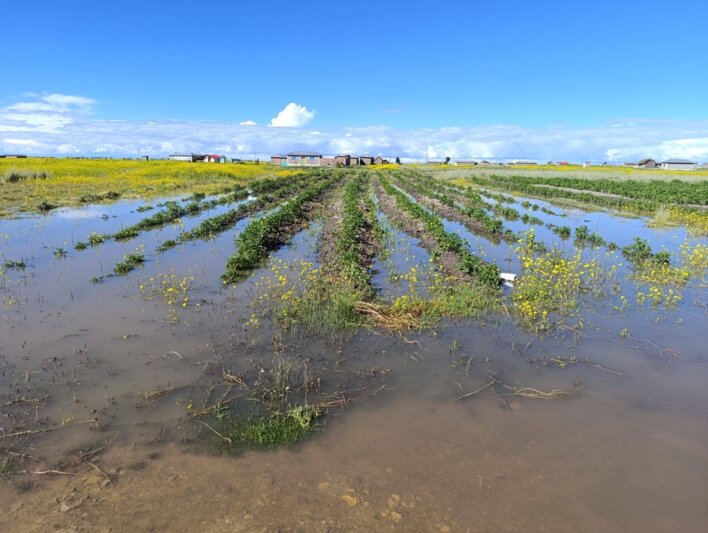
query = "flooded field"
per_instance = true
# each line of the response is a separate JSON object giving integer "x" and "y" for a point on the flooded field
{"x": 342, "y": 350}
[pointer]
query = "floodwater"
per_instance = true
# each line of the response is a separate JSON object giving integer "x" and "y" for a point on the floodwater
{"x": 627, "y": 451}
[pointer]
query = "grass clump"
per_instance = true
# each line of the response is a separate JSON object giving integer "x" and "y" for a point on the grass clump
{"x": 8, "y": 466}
{"x": 550, "y": 285}
{"x": 130, "y": 261}
{"x": 278, "y": 429}
{"x": 562, "y": 231}
{"x": 15, "y": 265}
{"x": 583, "y": 235}
{"x": 656, "y": 268}
{"x": 14, "y": 175}
{"x": 96, "y": 239}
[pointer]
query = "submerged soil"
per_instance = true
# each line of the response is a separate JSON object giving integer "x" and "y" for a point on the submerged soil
{"x": 448, "y": 260}
{"x": 415, "y": 464}
{"x": 451, "y": 213}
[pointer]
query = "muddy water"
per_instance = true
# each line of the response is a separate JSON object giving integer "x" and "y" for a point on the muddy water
{"x": 626, "y": 452}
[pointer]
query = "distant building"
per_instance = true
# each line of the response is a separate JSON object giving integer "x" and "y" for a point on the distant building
{"x": 563, "y": 163}
{"x": 279, "y": 160}
{"x": 525, "y": 163}
{"x": 647, "y": 163}
{"x": 366, "y": 160}
{"x": 378, "y": 160}
{"x": 343, "y": 160}
{"x": 587, "y": 164}
{"x": 466, "y": 162}
{"x": 304, "y": 159}
{"x": 13, "y": 156}
{"x": 181, "y": 157}
{"x": 328, "y": 161}
{"x": 678, "y": 164}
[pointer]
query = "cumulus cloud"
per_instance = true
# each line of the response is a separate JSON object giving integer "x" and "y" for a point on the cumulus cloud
{"x": 63, "y": 125}
{"x": 292, "y": 116}
{"x": 48, "y": 113}
{"x": 248, "y": 123}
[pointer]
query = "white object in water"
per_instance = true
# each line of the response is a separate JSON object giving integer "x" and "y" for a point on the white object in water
{"x": 508, "y": 278}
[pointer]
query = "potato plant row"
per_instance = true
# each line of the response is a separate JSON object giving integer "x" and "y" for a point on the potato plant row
{"x": 261, "y": 236}
{"x": 349, "y": 250}
{"x": 213, "y": 226}
{"x": 174, "y": 211}
{"x": 491, "y": 224}
{"x": 673, "y": 191}
{"x": 469, "y": 263}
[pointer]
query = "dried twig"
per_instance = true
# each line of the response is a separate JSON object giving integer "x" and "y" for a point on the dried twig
{"x": 53, "y": 428}
{"x": 216, "y": 432}
{"x": 482, "y": 388}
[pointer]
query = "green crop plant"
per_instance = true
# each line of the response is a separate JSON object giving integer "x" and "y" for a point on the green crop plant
{"x": 255, "y": 242}
{"x": 469, "y": 263}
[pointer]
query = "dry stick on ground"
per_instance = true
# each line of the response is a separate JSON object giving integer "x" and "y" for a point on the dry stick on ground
{"x": 491, "y": 383}
{"x": 234, "y": 379}
{"x": 215, "y": 432}
{"x": 49, "y": 472}
{"x": 528, "y": 392}
{"x": 38, "y": 431}
{"x": 98, "y": 469}
{"x": 158, "y": 392}
{"x": 26, "y": 456}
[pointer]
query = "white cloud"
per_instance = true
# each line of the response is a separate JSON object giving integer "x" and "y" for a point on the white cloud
{"x": 21, "y": 142}
{"x": 59, "y": 124}
{"x": 292, "y": 116}
{"x": 248, "y": 123}
{"x": 71, "y": 149}
{"x": 47, "y": 113}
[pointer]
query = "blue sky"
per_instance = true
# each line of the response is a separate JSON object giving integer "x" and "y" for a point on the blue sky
{"x": 393, "y": 73}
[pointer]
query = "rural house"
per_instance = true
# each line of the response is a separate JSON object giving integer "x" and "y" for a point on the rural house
{"x": 647, "y": 163}
{"x": 366, "y": 160}
{"x": 343, "y": 160}
{"x": 279, "y": 160}
{"x": 678, "y": 164}
{"x": 201, "y": 158}
{"x": 181, "y": 157}
{"x": 304, "y": 159}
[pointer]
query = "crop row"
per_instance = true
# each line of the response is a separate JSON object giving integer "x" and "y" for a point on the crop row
{"x": 469, "y": 263}
{"x": 212, "y": 226}
{"x": 261, "y": 236}
{"x": 476, "y": 206}
{"x": 674, "y": 191}
{"x": 174, "y": 211}
{"x": 634, "y": 194}
{"x": 349, "y": 249}
{"x": 492, "y": 225}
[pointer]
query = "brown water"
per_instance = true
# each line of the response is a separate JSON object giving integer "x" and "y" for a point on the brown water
{"x": 627, "y": 452}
